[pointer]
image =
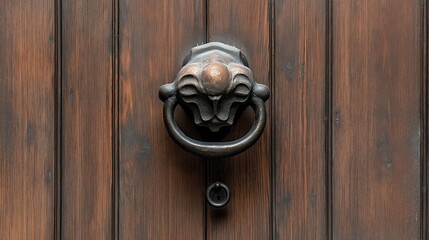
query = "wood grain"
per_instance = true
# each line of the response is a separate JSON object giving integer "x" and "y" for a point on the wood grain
{"x": 377, "y": 135}
{"x": 244, "y": 24}
{"x": 279, "y": 186}
{"x": 27, "y": 119}
{"x": 161, "y": 186}
{"x": 87, "y": 119}
{"x": 299, "y": 124}
{"x": 425, "y": 112}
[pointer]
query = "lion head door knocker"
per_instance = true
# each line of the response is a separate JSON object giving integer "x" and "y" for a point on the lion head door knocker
{"x": 214, "y": 83}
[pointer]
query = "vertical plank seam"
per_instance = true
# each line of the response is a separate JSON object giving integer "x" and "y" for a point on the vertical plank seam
{"x": 207, "y": 161}
{"x": 58, "y": 122}
{"x": 115, "y": 120}
{"x": 206, "y": 19}
{"x": 424, "y": 124}
{"x": 272, "y": 76}
{"x": 329, "y": 119}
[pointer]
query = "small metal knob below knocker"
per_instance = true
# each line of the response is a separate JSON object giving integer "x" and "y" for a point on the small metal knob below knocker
{"x": 214, "y": 84}
{"x": 217, "y": 194}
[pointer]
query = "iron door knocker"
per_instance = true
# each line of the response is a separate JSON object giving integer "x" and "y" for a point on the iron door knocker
{"x": 214, "y": 83}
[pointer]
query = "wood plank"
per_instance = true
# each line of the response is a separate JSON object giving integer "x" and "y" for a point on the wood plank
{"x": 425, "y": 123}
{"x": 300, "y": 120}
{"x": 244, "y": 24}
{"x": 161, "y": 186}
{"x": 377, "y": 123}
{"x": 87, "y": 119}
{"x": 425, "y": 112}
{"x": 27, "y": 119}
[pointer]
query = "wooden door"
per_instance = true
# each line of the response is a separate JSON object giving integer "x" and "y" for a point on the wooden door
{"x": 84, "y": 153}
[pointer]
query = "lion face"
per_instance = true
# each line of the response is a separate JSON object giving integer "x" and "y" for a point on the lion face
{"x": 214, "y": 83}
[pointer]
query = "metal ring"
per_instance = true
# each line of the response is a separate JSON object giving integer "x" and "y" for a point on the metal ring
{"x": 215, "y": 149}
{"x": 218, "y": 203}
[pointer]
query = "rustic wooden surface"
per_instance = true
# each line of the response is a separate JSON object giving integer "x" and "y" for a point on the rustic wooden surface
{"x": 376, "y": 102}
{"x": 27, "y": 119}
{"x": 161, "y": 186}
{"x": 122, "y": 177}
{"x": 299, "y": 125}
{"x": 87, "y": 119}
{"x": 244, "y": 24}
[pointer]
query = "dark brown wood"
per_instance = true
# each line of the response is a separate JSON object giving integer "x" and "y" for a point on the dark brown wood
{"x": 115, "y": 134}
{"x": 377, "y": 130}
{"x": 244, "y": 24}
{"x": 27, "y": 119}
{"x": 161, "y": 186}
{"x": 425, "y": 110}
{"x": 87, "y": 119}
{"x": 84, "y": 153}
{"x": 299, "y": 128}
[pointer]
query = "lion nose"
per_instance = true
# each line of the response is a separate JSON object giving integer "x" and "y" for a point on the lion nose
{"x": 215, "y": 78}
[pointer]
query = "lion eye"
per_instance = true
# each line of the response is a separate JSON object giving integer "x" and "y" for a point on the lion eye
{"x": 242, "y": 90}
{"x": 188, "y": 91}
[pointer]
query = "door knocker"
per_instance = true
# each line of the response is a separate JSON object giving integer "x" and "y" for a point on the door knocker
{"x": 214, "y": 83}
